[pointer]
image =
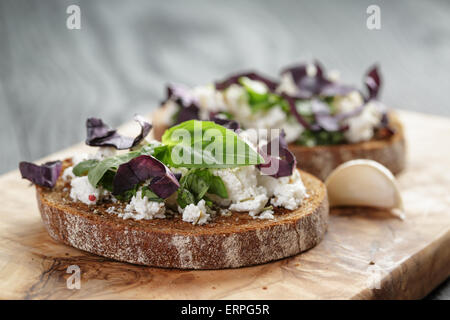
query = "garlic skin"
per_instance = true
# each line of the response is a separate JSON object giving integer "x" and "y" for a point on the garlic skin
{"x": 364, "y": 183}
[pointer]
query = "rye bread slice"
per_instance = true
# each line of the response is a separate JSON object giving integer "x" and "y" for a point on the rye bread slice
{"x": 321, "y": 160}
{"x": 227, "y": 242}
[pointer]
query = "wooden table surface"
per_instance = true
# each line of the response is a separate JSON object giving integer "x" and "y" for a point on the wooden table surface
{"x": 52, "y": 78}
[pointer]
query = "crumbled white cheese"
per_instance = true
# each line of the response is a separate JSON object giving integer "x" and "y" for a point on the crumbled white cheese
{"x": 80, "y": 157}
{"x": 68, "y": 174}
{"x": 287, "y": 192}
{"x": 209, "y": 100}
{"x": 349, "y": 102}
{"x": 142, "y": 208}
{"x": 195, "y": 214}
{"x": 287, "y": 84}
{"x": 82, "y": 190}
{"x": 265, "y": 215}
{"x": 361, "y": 127}
{"x": 292, "y": 129}
{"x": 104, "y": 152}
{"x": 241, "y": 182}
{"x": 111, "y": 209}
{"x": 253, "y": 206}
{"x": 243, "y": 190}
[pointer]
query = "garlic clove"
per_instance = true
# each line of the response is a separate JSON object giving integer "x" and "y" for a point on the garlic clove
{"x": 364, "y": 182}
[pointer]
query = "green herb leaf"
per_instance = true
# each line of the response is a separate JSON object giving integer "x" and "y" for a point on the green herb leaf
{"x": 82, "y": 168}
{"x": 146, "y": 192}
{"x": 111, "y": 164}
{"x": 196, "y": 184}
{"x": 185, "y": 197}
{"x": 217, "y": 187}
{"x": 205, "y": 144}
{"x": 257, "y": 91}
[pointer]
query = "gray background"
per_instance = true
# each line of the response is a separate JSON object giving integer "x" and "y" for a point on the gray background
{"x": 52, "y": 78}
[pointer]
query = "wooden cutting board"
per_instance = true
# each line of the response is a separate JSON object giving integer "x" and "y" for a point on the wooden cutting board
{"x": 366, "y": 254}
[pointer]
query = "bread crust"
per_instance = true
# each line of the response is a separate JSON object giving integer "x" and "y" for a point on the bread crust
{"x": 321, "y": 160}
{"x": 228, "y": 242}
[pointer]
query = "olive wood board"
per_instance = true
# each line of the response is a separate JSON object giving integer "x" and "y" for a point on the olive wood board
{"x": 366, "y": 253}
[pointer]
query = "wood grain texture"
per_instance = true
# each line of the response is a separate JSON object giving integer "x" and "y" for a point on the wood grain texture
{"x": 362, "y": 246}
{"x": 52, "y": 79}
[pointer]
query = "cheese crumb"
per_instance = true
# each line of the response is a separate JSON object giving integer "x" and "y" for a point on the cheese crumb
{"x": 195, "y": 214}
{"x": 82, "y": 190}
{"x": 142, "y": 208}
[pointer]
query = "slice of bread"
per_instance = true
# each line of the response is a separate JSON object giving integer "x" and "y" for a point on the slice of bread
{"x": 226, "y": 242}
{"x": 321, "y": 160}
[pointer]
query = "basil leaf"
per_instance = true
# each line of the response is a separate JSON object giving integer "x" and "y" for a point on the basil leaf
{"x": 146, "y": 192}
{"x": 196, "y": 184}
{"x": 217, "y": 187}
{"x": 82, "y": 168}
{"x": 111, "y": 164}
{"x": 257, "y": 91}
{"x": 185, "y": 197}
{"x": 205, "y": 144}
{"x": 127, "y": 195}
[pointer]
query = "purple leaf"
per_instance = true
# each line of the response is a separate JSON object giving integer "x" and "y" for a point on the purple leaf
{"x": 234, "y": 79}
{"x": 188, "y": 103}
{"x": 323, "y": 116}
{"x": 44, "y": 175}
{"x": 277, "y": 157}
{"x": 291, "y": 101}
{"x": 143, "y": 168}
{"x": 188, "y": 113}
{"x": 100, "y": 135}
{"x": 373, "y": 83}
{"x": 227, "y": 123}
{"x": 181, "y": 94}
{"x": 317, "y": 85}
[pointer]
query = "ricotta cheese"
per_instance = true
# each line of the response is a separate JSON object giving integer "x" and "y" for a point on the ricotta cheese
{"x": 82, "y": 190}
{"x": 142, "y": 208}
{"x": 195, "y": 214}
{"x": 348, "y": 102}
{"x": 209, "y": 99}
{"x": 361, "y": 127}
{"x": 244, "y": 194}
{"x": 68, "y": 174}
{"x": 286, "y": 192}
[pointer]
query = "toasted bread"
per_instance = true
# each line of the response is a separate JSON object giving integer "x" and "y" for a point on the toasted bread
{"x": 226, "y": 242}
{"x": 321, "y": 160}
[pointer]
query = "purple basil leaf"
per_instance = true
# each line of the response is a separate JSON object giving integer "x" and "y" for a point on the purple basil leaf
{"x": 143, "y": 168}
{"x": 100, "y": 135}
{"x": 227, "y": 123}
{"x": 373, "y": 83}
{"x": 234, "y": 79}
{"x": 323, "y": 116}
{"x": 291, "y": 101}
{"x": 316, "y": 85}
{"x": 188, "y": 113}
{"x": 187, "y": 102}
{"x": 44, "y": 175}
{"x": 285, "y": 160}
{"x": 181, "y": 94}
